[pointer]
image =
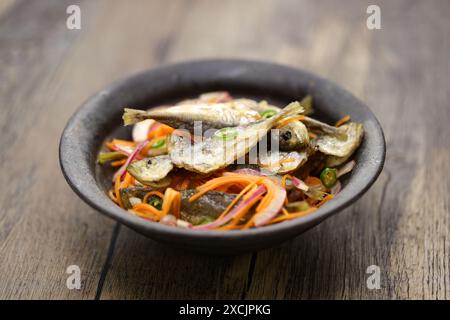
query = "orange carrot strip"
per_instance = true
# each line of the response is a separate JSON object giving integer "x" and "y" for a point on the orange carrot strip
{"x": 118, "y": 163}
{"x": 326, "y": 199}
{"x": 313, "y": 181}
{"x": 342, "y": 121}
{"x": 288, "y": 120}
{"x": 293, "y": 215}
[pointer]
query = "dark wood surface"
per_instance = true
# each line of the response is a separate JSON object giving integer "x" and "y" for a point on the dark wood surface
{"x": 402, "y": 72}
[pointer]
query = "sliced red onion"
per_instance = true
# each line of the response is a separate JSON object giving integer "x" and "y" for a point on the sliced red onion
{"x": 336, "y": 188}
{"x": 272, "y": 210}
{"x": 133, "y": 155}
{"x": 346, "y": 168}
{"x": 230, "y": 215}
{"x": 299, "y": 184}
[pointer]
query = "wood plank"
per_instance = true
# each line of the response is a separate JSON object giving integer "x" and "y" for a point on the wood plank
{"x": 46, "y": 79}
{"x": 44, "y": 227}
{"x": 387, "y": 227}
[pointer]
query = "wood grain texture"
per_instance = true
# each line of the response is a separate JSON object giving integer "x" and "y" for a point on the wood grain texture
{"x": 401, "y": 71}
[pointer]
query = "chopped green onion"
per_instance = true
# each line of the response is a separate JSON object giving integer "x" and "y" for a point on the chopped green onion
{"x": 155, "y": 202}
{"x": 158, "y": 144}
{"x": 297, "y": 206}
{"x": 104, "y": 157}
{"x": 328, "y": 177}
{"x": 268, "y": 113}
{"x": 226, "y": 133}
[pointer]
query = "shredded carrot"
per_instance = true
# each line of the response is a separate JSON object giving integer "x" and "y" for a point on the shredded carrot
{"x": 223, "y": 181}
{"x": 118, "y": 163}
{"x": 147, "y": 211}
{"x": 293, "y": 215}
{"x": 312, "y": 135}
{"x": 172, "y": 200}
{"x": 124, "y": 143}
{"x": 127, "y": 181}
{"x": 239, "y": 196}
{"x": 283, "y": 180}
{"x": 288, "y": 120}
{"x": 342, "y": 121}
{"x": 326, "y": 199}
{"x": 146, "y": 148}
{"x": 110, "y": 146}
{"x": 146, "y": 207}
{"x": 152, "y": 193}
{"x": 161, "y": 130}
{"x": 243, "y": 212}
{"x": 313, "y": 181}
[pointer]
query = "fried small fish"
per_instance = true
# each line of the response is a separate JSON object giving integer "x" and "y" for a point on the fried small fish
{"x": 206, "y": 208}
{"x": 292, "y": 136}
{"x": 225, "y": 146}
{"x": 188, "y": 116}
{"x": 191, "y": 113}
{"x": 336, "y": 146}
{"x": 149, "y": 170}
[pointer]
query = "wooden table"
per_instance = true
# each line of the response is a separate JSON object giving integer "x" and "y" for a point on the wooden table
{"x": 402, "y": 72}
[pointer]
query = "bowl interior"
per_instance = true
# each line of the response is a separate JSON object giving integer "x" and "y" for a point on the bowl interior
{"x": 99, "y": 119}
{"x": 117, "y": 130}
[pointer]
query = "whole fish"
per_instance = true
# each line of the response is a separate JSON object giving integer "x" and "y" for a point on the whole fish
{"x": 225, "y": 146}
{"x": 211, "y": 116}
{"x": 149, "y": 170}
{"x": 205, "y": 209}
{"x": 191, "y": 113}
{"x": 337, "y": 148}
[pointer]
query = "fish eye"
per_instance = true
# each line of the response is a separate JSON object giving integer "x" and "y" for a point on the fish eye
{"x": 286, "y": 135}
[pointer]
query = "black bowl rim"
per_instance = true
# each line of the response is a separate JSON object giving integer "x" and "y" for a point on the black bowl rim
{"x": 353, "y": 191}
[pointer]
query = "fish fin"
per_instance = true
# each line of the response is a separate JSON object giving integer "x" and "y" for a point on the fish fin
{"x": 132, "y": 116}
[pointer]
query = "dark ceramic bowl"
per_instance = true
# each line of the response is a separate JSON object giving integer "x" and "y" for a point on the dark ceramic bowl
{"x": 100, "y": 118}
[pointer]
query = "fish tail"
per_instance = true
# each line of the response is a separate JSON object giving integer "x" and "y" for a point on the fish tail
{"x": 291, "y": 109}
{"x": 132, "y": 116}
